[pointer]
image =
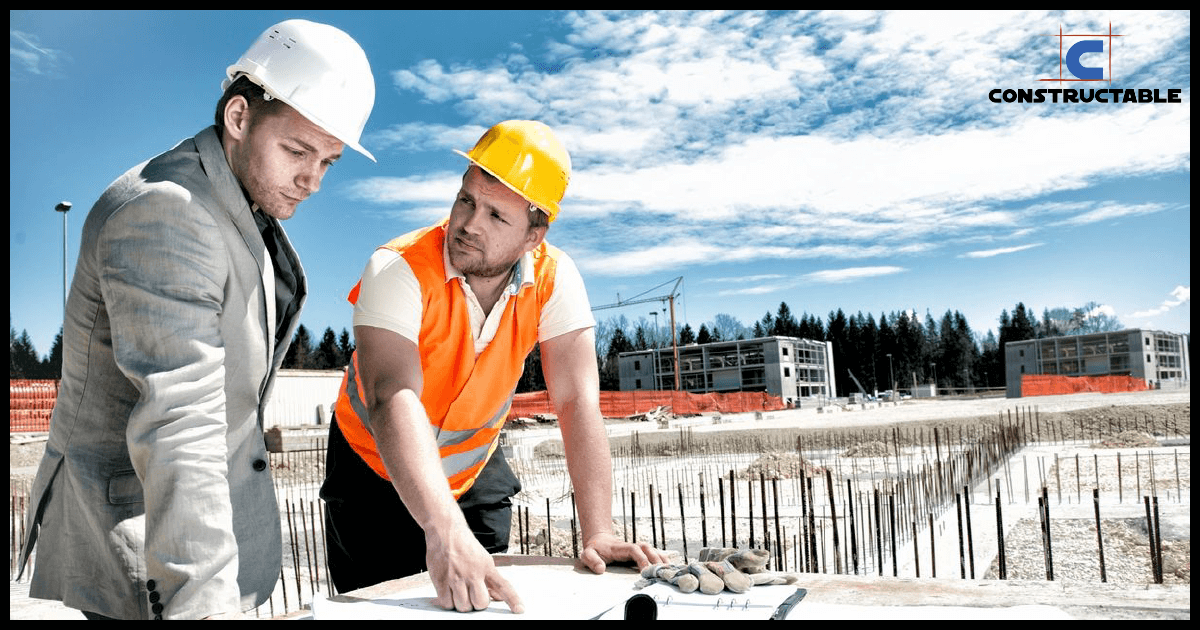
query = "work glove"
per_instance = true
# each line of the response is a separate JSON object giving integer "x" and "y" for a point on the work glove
{"x": 718, "y": 569}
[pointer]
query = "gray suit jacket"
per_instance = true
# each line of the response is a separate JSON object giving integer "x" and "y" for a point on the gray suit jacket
{"x": 155, "y": 495}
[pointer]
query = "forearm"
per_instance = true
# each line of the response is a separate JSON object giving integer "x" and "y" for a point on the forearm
{"x": 410, "y": 454}
{"x": 589, "y": 464}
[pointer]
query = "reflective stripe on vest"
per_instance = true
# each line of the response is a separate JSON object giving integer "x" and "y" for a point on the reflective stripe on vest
{"x": 467, "y": 398}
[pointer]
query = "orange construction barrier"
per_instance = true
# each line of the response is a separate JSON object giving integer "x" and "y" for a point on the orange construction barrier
{"x": 1053, "y": 384}
{"x": 30, "y": 404}
{"x": 623, "y": 404}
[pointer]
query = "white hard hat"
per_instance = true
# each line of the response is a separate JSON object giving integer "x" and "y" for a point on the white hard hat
{"x": 317, "y": 69}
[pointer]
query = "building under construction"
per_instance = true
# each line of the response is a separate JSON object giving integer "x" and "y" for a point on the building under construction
{"x": 1152, "y": 355}
{"x": 789, "y": 367}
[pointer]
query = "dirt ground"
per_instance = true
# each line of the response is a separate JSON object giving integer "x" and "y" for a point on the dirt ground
{"x": 1104, "y": 421}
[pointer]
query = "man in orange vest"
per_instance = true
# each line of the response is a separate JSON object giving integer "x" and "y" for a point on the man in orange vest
{"x": 444, "y": 318}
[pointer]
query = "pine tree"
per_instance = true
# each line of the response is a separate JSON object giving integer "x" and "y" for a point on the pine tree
{"x": 345, "y": 347}
{"x": 327, "y": 356}
{"x": 52, "y": 366}
{"x": 610, "y": 375}
{"x": 785, "y": 324}
{"x": 641, "y": 340}
{"x": 836, "y": 333}
{"x": 23, "y": 359}
{"x": 299, "y": 354}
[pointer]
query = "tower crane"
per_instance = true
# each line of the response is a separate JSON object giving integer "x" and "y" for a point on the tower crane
{"x": 669, "y": 298}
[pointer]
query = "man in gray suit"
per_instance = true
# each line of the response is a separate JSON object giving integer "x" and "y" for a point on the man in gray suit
{"x": 154, "y": 498}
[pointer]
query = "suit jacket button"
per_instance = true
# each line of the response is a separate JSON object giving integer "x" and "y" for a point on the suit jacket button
{"x": 154, "y": 597}
{"x": 150, "y": 585}
{"x": 158, "y": 617}
{"x": 156, "y": 609}
{"x": 260, "y": 465}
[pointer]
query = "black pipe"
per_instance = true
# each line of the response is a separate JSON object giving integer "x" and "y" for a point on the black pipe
{"x": 1049, "y": 545}
{"x": 732, "y": 510}
{"x": 683, "y": 525}
{"x": 962, "y": 565}
{"x": 1158, "y": 577}
{"x": 1001, "y": 566}
{"x": 1150, "y": 533}
{"x": 837, "y": 561}
{"x": 1099, "y": 538}
{"x": 853, "y": 536}
{"x": 653, "y": 529}
{"x": 970, "y": 539}
{"x": 781, "y": 566}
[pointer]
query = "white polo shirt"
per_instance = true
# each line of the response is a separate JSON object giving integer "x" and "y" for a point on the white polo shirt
{"x": 390, "y": 298}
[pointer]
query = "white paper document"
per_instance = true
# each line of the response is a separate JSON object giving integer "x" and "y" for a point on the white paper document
{"x": 545, "y": 594}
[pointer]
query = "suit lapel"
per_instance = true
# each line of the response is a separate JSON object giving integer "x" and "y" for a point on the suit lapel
{"x": 232, "y": 199}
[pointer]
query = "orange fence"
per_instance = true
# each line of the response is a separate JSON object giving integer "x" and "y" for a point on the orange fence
{"x": 30, "y": 403}
{"x": 622, "y": 404}
{"x": 1051, "y": 384}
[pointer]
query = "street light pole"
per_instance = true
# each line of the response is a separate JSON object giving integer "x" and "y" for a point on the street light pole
{"x": 64, "y": 207}
{"x": 655, "y": 314}
{"x": 891, "y": 377}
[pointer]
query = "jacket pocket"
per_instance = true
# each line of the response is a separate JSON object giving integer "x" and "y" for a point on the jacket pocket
{"x": 124, "y": 488}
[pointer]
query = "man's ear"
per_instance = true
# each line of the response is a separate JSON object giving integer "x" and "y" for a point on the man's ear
{"x": 534, "y": 237}
{"x": 237, "y": 118}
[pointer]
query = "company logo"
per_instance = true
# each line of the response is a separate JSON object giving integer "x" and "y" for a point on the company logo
{"x": 1082, "y": 58}
{"x": 1080, "y": 47}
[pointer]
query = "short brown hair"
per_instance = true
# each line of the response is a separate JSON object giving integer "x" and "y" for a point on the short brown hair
{"x": 254, "y": 95}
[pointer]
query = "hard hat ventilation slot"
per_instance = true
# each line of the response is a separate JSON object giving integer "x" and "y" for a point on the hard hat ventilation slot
{"x": 287, "y": 43}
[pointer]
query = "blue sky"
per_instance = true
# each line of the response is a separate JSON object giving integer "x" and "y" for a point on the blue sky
{"x": 826, "y": 160}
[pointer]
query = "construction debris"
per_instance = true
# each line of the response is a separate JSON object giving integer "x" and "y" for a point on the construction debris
{"x": 868, "y": 449}
{"x": 775, "y": 465}
{"x": 1126, "y": 439}
{"x": 659, "y": 414}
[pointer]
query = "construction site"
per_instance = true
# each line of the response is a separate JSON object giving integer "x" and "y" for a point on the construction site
{"x": 950, "y": 507}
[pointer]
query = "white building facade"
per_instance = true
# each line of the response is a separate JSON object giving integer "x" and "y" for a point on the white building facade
{"x": 789, "y": 367}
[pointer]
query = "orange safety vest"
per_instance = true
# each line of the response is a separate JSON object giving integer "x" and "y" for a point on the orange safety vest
{"x": 467, "y": 398}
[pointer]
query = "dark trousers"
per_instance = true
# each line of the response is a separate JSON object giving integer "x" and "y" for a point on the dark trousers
{"x": 371, "y": 537}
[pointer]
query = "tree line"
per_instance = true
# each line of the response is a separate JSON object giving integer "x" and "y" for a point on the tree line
{"x": 922, "y": 349}
{"x": 330, "y": 353}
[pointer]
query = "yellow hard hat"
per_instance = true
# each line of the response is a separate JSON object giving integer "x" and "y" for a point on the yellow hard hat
{"x": 527, "y": 157}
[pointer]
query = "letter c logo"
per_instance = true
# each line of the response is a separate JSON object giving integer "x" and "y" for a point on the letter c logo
{"x": 1077, "y": 50}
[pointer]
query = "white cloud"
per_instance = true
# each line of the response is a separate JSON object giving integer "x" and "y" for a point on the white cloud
{"x": 414, "y": 136}
{"x": 1111, "y": 211}
{"x": 851, "y": 273}
{"x": 27, "y": 53}
{"x": 846, "y": 135}
{"x": 988, "y": 253}
{"x": 757, "y": 278}
{"x": 1179, "y": 295}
